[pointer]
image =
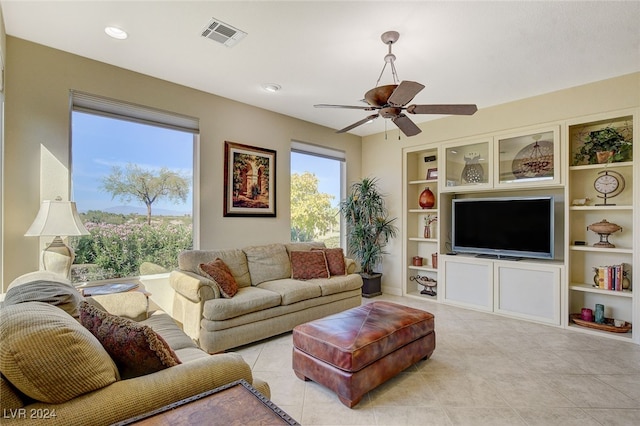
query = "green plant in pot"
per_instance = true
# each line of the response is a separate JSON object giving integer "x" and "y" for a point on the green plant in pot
{"x": 602, "y": 146}
{"x": 369, "y": 229}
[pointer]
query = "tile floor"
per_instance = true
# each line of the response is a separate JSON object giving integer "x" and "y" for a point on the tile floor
{"x": 486, "y": 370}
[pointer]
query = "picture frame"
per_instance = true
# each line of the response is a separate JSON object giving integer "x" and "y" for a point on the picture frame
{"x": 432, "y": 174}
{"x": 249, "y": 181}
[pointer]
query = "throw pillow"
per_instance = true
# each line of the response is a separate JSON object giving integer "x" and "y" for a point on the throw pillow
{"x": 48, "y": 356}
{"x": 268, "y": 262}
{"x": 335, "y": 260}
{"x": 306, "y": 265}
{"x": 135, "y": 348}
{"x": 219, "y": 272}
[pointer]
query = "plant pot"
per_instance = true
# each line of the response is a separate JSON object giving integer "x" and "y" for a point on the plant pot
{"x": 371, "y": 285}
{"x": 604, "y": 156}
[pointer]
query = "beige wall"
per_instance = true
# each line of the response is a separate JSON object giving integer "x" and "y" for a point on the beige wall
{"x": 37, "y": 138}
{"x": 383, "y": 157}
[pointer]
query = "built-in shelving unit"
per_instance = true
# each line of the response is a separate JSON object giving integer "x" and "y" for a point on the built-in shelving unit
{"x": 544, "y": 291}
{"x": 421, "y": 168}
{"x": 582, "y": 255}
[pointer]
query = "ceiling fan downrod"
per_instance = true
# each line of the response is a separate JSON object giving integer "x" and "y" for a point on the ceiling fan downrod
{"x": 389, "y": 38}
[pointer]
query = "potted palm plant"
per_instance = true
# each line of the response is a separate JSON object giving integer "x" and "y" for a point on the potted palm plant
{"x": 369, "y": 229}
{"x": 602, "y": 146}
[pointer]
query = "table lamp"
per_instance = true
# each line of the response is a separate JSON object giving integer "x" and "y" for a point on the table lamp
{"x": 54, "y": 219}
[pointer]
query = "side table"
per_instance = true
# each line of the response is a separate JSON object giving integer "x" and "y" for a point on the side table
{"x": 237, "y": 403}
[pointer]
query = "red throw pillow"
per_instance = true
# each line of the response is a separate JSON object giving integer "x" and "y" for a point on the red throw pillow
{"x": 306, "y": 265}
{"x": 219, "y": 272}
{"x": 135, "y": 348}
{"x": 335, "y": 260}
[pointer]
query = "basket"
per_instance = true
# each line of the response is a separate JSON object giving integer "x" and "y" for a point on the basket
{"x": 607, "y": 326}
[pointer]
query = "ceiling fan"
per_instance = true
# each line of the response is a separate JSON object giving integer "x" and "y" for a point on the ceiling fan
{"x": 390, "y": 101}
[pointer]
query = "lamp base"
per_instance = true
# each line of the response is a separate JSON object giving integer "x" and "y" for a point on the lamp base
{"x": 58, "y": 258}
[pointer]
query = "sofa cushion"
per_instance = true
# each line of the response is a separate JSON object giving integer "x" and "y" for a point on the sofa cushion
{"x": 339, "y": 284}
{"x": 169, "y": 330}
{"x": 47, "y": 287}
{"x": 306, "y": 265}
{"x": 220, "y": 273}
{"x": 49, "y": 356}
{"x": 292, "y": 291}
{"x": 136, "y": 349}
{"x": 335, "y": 260}
{"x": 267, "y": 262}
{"x": 248, "y": 299}
{"x": 306, "y": 245}
{"x": 235, "y": 259}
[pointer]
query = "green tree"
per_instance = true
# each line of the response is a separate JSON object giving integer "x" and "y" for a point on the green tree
{"x": 146, "y": 186}
{"x": 311, "y": 211}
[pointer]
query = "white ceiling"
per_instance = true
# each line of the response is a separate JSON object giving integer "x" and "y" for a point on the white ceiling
{"x": 485, "y": 53}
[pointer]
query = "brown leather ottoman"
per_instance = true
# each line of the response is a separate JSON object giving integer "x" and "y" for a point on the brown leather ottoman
{"x": 356, "y": 350}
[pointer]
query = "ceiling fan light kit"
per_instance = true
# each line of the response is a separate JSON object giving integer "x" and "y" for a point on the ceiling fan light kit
{"x": 390, "y": 101}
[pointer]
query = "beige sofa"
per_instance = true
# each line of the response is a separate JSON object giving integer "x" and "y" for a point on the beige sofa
{"x": 71, "y": 380}
{"x": 269, "y": 301}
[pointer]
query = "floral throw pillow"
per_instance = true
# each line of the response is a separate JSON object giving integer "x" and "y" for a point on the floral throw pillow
{"x": 219, "y": 272}
{"x": 335, "y": 260}
{"x": 306, "y": 265}
{"x": 135, "y": 348}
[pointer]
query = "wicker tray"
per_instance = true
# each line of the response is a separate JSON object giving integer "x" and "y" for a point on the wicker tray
{"x": 607, "y": 326}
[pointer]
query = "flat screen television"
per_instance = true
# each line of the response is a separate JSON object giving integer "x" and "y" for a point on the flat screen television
{"x": 505, "y": 227}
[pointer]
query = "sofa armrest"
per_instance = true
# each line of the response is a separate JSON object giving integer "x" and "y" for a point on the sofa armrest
{"x": 130, "y": 304}
{"x": 350, "y": 265}
{"x": 133, "y": 397}
{"x": 193, "y": 286}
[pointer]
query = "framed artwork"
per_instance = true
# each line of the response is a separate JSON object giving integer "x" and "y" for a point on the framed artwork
{"x": 432, "y": 174}
{"x": 249, "y": 181}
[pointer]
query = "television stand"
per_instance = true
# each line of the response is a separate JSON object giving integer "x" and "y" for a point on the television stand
{"x": 500, "y": 257}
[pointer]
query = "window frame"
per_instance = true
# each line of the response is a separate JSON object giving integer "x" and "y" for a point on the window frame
{"x": 121, "y": 110}
{"x": 331, "y": 154}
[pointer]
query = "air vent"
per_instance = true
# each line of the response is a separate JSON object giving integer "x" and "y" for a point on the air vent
{"x": 217, "y": 30}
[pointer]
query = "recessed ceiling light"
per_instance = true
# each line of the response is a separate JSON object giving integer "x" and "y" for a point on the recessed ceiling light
{"x": 271, "y": 87}
{"x": 116, "y": 33}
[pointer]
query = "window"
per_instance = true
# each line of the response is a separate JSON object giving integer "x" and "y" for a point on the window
{"x": 317, "y": 186}
{"x": 132, "y": 179}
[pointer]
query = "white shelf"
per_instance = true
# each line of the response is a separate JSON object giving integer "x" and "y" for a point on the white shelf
{"x": 424, "y": 240}
{"x": 588, "y": 288}
{"x": 601, "y": 208}
{"x": 432, "y": 211}
{"x": 422, "y": 268}
{"x": 422, "y": 181}
{"x": 601, "y": 166}
{"x": 619, "y": 336}
{"x": 602, "y": 249}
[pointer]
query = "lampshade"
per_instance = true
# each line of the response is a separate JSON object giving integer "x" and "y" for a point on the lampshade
{"x": 57, "y": 218}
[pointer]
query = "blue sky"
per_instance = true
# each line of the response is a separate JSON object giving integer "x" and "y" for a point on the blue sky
{"x": 100, "y": 143}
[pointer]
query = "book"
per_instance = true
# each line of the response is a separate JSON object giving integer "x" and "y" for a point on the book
{"x": 108, "y": 289}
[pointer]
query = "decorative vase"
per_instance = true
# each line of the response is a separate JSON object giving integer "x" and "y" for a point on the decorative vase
{"x": 472, "y": 171}
{"x": 427, "y": 231}
{"x": 604, "y": 229}
{"x": 599, "y": 315}
{"x": 427, "y": 200}
{"x": 433, "y": 229}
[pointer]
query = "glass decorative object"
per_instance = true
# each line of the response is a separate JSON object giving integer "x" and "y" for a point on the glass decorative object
{"x": 473, "y": 172}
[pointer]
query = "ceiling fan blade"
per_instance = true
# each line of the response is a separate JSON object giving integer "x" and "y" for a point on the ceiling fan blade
{"x": 366, "y": 108}
{"x": 354, "y": 125}
{"x": 405, "y": 124}
{"x": 455, "y": 109}
{"x": 404, "y": 93}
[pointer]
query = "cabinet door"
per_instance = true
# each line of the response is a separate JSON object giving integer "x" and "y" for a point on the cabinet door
{"x": 467, "y": 166}
{"x": 468, "y": 282}
{"x": 528, "y": 158}
{"x": 528, "y": 291}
